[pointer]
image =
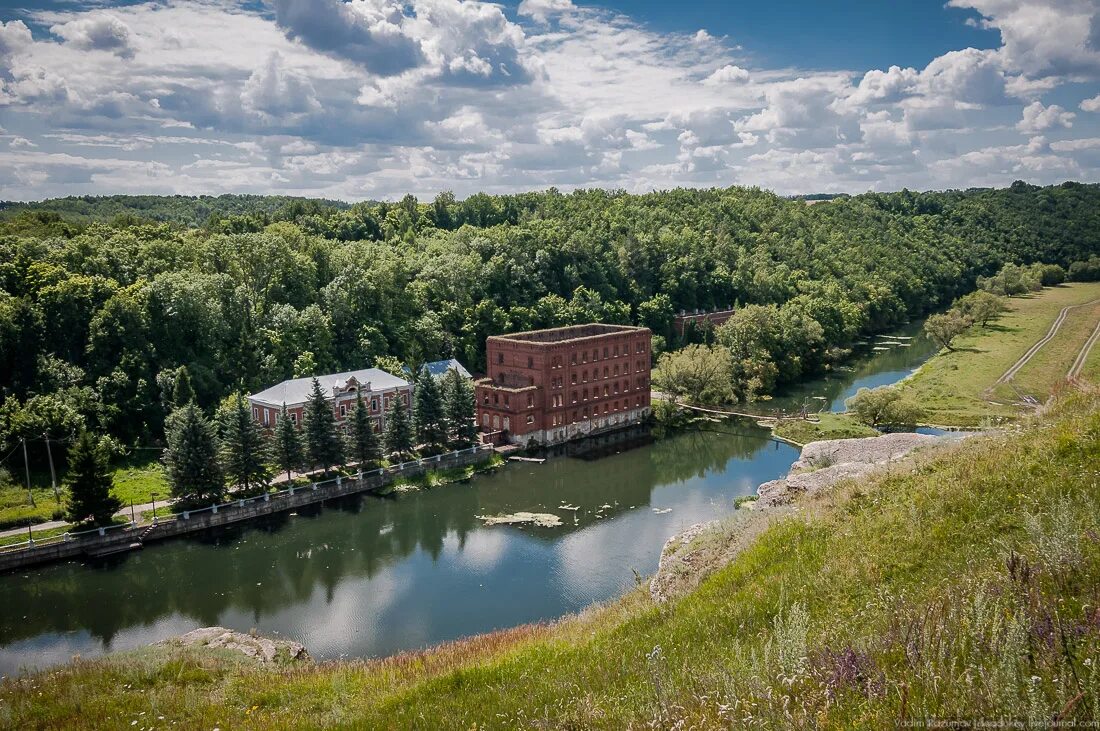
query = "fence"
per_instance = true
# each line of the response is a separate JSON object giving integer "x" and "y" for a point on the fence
{"x": 119, "y": 537}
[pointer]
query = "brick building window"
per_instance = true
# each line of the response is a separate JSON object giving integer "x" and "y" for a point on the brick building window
{"x": 293, "y": 418}
{"x": 605, "y": 371}
{"x": 500, "y": 358}
{"x": 530, "y": 362}
{"x": 255, "y": 414}
{"x": 530, "y": 400}
{"x": 530, "y": 419}
{"x": 605, "y": 351}
{"x": 574, "y": 359}
{"x": 584, "y": 378}
{"x": 605, "y": 390}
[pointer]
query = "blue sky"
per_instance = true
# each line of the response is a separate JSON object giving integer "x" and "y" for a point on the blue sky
{"x": 357, "y": 99}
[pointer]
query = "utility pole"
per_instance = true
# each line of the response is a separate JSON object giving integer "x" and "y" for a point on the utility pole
{"x": 27, "y": 467}
{"x": 53, "y": 475}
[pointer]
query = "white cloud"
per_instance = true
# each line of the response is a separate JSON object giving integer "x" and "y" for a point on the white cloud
{"x": 1048, "y": 38}
{"x": 14, "y": 36}
{"x": 1091, "y": 105}
{"x": 97, "y": 32}
{"x": 1038, "y": 118}
{"x": 543, "y": 10}
{"x": 969, "y": 76}
{"x": 728, "y": 74}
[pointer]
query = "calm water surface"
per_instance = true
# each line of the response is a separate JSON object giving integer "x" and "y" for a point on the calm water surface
{"x": 369, "y": 576}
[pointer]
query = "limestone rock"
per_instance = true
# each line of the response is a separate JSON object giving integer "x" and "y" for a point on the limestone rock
{"x": 261, "y": 649}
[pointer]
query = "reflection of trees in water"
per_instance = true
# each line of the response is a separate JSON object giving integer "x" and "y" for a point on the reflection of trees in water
{"x": 270, "y": 565}
{"x": 867, "y": 362}
{"x": 695, "y": 452}
{"x": 258, "y": 569}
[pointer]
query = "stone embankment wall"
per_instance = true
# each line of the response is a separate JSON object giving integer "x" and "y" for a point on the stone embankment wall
{"x": 235, "y": 512}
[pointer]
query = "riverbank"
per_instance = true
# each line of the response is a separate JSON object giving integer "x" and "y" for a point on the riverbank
{"x": 989, "y": 571}
{"x": 125, "y": 537}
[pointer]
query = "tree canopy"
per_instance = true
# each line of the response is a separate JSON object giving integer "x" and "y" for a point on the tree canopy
{"x": 104, "y": 300}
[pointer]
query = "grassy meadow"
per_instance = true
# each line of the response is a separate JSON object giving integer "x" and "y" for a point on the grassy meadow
{"x": 958, "y": 388}
{"x": 963, "y": 584}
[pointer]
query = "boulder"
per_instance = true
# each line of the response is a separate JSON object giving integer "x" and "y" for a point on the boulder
{"x": 261, "y": 649}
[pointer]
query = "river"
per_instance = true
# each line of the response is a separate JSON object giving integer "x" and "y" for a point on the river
{"x": 369, "y": 576}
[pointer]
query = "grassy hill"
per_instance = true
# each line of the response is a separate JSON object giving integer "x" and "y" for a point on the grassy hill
{"x": 960, "y": 388}
{"x": 961, "y": 585}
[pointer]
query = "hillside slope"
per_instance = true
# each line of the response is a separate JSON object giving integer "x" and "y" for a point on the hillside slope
{"x": 962, "y": 584}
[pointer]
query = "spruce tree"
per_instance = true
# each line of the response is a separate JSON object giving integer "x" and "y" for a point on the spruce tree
{"x": 461, "y": 408}
{"x": 429, "y": 415}
{"x": 191, "y": 459}
{"x": 90, "y": 482}
{"x": 364, "y": 443}
{"x": 322, "y": 442}
{"x": 183, "y": 393}
{"x": 288, "y": 445}
{"x": 398, "y": 437}
{"x": 244, "y": 451}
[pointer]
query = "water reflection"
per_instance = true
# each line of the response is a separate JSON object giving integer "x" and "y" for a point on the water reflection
{"x": 367, "y": 575}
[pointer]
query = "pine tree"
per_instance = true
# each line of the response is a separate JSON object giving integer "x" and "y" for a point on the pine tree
{"x": 244, "y": 451}
{"x": 398, "y": 438}
{"x": 364, "y": 443}
{"x": 288, "y": 445}
{"x": 429, "y": 415}
{"x": 90, "y": 482}
{"x": 461, "y": 408}
{"x": 183, "y": 393}
{"x": 322, "y": 443}
{"x": 191, "y": 459}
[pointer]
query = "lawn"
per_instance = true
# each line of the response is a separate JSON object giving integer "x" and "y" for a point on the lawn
{"x": 961, "y": 585}
{"x": 830, "y": 426}
{"x": 957, "y": 388}
{"x": 135, "y": 479}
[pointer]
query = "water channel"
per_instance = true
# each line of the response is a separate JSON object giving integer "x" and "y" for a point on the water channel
{"x": 368, "y": 576}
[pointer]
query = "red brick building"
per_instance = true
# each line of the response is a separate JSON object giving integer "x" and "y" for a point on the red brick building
{"x": 377, "y": 387}
{"x": 554, "y": 385}
{"x": 698, "y": 319}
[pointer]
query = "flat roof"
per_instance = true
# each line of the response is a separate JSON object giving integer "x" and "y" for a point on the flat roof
{"x": 569, "y": 333}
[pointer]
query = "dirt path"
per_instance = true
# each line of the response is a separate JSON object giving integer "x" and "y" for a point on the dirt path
{"x": 1023, "y": 361}
{"x": 1083, "y": 356}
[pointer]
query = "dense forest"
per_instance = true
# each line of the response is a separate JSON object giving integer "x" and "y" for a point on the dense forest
{"x": 103, "y": 301}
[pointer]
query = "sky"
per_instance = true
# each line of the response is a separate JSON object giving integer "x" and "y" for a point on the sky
{"x": 373, "y": 99}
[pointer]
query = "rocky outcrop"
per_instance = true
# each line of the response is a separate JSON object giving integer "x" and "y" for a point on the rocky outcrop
{"x": 823, "y": 464}
{"x": 677, "y": 559}
{"x": 689, "y": 556}
{"x": 261, "y": 649}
